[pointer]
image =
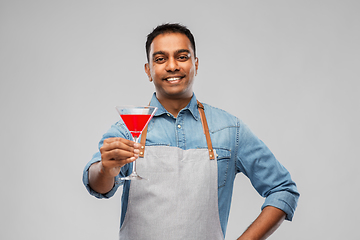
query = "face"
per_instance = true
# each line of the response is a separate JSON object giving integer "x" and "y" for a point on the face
{"x": 172, "y": 66}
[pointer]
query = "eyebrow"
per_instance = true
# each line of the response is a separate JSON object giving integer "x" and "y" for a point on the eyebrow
{"x": 177, "y": 52}
{"x": 158, "y": 52}
{"x": 183, "y": 51}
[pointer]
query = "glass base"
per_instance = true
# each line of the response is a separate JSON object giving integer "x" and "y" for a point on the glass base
{"x": 133, "y": 176}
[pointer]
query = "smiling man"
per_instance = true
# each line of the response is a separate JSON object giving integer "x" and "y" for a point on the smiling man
{"x": 191, "y": 153}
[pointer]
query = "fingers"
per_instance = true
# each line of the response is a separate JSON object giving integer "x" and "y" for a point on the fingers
{"x": 118, "y": 140}
{"x": 121, "y": 143}
{"x": 116, "y": 152}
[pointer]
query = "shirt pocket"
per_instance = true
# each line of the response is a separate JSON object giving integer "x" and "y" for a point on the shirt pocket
{"x": 223, "y": 160}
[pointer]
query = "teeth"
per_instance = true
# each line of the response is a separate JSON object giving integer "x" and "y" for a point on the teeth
{"x": 173, "y": 79}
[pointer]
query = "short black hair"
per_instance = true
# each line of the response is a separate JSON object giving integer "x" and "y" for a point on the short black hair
{"x": 169, "y": 28}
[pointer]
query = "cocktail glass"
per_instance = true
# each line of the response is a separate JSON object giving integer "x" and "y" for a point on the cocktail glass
{"x": 136, "y": 118}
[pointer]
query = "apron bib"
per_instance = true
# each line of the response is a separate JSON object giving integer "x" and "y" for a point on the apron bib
{"x": 180, "y": 199}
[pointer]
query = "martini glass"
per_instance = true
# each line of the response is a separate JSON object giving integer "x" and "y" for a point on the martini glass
{"x": 136, "y": 118}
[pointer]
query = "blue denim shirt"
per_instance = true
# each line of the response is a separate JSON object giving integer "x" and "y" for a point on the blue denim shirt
{"x": 238, "y": 151}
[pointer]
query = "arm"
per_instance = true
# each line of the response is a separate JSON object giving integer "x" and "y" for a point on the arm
{"x": 271, "y": 180}
{"x": 265, "y": 224}
{"x": 268, "y": 176}
{"x": 115, "y": 153}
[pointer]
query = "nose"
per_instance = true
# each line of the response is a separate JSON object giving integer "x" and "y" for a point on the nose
{"x": 172, "y": 65}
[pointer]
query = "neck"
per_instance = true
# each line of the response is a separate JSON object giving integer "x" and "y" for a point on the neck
{"x": 174, "y": 106}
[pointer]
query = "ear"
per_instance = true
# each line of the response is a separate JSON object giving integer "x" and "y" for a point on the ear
{"x": 147, "y": 71}
{"x": 196, "y": 65}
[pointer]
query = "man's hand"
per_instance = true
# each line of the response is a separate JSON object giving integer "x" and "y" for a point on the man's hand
{"x": 267, "y": 222}
{"x": 115, "y": 153}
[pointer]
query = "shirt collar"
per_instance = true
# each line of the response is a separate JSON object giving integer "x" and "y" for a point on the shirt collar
{"x": 192, "y": 107}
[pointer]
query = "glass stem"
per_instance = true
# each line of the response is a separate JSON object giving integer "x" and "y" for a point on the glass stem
{"x": 136, "y": 140}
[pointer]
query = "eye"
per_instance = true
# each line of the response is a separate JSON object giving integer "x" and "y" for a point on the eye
{"x": 184, "y": 57}
{"x": 159, "y": 60}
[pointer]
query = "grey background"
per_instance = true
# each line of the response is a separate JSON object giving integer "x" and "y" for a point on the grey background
{"x": 289, "y": 69}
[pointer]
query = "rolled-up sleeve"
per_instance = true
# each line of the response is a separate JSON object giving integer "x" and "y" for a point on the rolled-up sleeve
{"x": 283, "y": 200}
{"x": 118, "y": 182}
{"x": 268, "y": 176}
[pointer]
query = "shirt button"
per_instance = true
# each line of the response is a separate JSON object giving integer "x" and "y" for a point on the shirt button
{"x": 179, "y": 126}
{"x": 168, "y": 114}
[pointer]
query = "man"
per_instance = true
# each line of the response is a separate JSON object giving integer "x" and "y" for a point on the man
{"x": 192, "y": 155}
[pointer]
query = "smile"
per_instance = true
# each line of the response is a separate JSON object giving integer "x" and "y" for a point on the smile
{"x": 171, "y": 79}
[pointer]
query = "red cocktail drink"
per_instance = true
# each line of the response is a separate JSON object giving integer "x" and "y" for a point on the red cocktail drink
{"x": 136, "y": 122}
{"x": 136, "y": 119}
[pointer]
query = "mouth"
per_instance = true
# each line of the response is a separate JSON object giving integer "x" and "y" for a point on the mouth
{"x": 174, "y": 79}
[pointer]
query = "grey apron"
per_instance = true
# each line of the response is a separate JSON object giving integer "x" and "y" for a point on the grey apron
{"x": 180, "y": 199}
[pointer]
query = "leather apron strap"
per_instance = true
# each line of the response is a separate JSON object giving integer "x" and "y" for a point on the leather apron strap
{"x": 205, "y": 128}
